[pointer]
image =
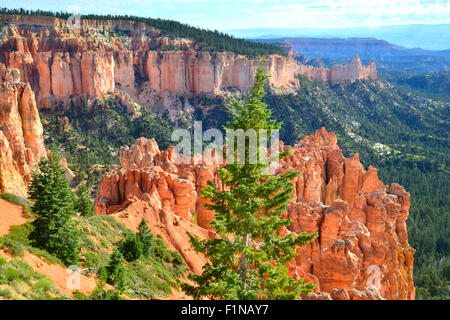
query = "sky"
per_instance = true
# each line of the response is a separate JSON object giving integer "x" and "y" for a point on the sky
{"x": 231, "y": 14}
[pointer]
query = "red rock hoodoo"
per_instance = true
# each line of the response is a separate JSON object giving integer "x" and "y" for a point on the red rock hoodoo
{"x": 362, "y": 251}
{"x": 21, "y": 139}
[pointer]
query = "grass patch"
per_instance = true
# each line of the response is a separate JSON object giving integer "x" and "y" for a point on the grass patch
{"x": 147, "y": 277}
{"x": 19, "y": 281}
{"x": 17, "y": 240}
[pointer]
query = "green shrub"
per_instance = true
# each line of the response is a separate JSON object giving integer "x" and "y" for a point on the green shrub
{"x": 12, "y": 274}
{"x": 177, "y": 259}
{"x": 116, "y": 224}
{"x": 77, "y": 295}
{"x": 131, "y": 248}
{"x": 161, "y": 251}
{"x": 18, "y": 240}
{"x": 21, "y": 233}
{"x": 44, "y": 284}
{"x": 88, "y": 243}
{"x": 14, "y": 199}
{"x": 102, "y": 294}
{"x": 92, "y": 260}
{"x": 144, "y": 278}
{"x": 104, "y": 243}
{"x": 6, "y": 293}
{"x": 20, "y": 277}
{"x": 13, "y": 247}
{"x": 25, "y": 274}
{"x": 45, "y": 255}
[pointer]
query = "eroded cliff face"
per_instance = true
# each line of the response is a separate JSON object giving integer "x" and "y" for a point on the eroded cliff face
{"x": 361, "y": 223}
{"x": 102, "y": 56}
{"x": 362, "y": 251}
{"x": 21, "y": 140}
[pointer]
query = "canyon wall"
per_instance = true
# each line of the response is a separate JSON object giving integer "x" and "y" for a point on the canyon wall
{"x": 102, "y": 56}
{"x": 362, "y": 251}
{"x": 21, "y": 139}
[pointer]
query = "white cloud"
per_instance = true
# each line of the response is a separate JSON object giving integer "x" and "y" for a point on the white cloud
{"x": 329, "y": 13}
{"x": 266, "y": 13}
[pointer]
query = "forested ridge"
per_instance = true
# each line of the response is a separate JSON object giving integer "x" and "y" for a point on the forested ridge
{"x": 89, "y": 134}
{"x": 434, "y": 84}
{"x": 210, "y": 40}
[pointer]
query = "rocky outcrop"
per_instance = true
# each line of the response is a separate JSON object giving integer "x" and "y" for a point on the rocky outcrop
{"x": 362, "y": 251}
{"x": 151, "y": 175}
{"x": 59, "y": 62}
{"x": 363, "y": 243}
{"x": 354, "y": 70}
{"x": 21, "y": 140}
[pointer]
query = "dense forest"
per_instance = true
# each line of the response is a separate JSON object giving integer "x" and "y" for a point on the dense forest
{"x": 434, "y": 84}
{"x": 89, "y": 135}
{"x": 210, "y": 40}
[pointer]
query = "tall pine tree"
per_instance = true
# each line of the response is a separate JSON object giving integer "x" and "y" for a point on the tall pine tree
{"x": 146, "y": 237}
{"x": 116, "y": 273}
{"x": 53, "y": 229}
{"x": 249, "y": 259}
{"x": 83, "y": 204}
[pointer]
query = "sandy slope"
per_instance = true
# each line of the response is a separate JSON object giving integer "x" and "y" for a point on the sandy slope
{"x": 10, "y": 215}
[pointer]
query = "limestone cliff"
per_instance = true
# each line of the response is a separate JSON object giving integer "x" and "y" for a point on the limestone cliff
{"x": 59, "y": 62}
{"x": 21, "y": 140}
{"x": 362, "y": 251}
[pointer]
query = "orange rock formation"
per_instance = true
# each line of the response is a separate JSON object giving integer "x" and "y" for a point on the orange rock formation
{"x": 21, "y": 140}
{"x": 59, "y": 63}
{"x": 362, "y": 251}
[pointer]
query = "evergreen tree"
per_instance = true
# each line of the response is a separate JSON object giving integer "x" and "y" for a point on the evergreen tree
{"x": 146, "y": 237}
{"x": 249, "y": 260}
{"x": 83, "y": 203}
{"x": 131, "y": 248}
{"x": 54, "y": 230}
{"x": 115, "y": 272}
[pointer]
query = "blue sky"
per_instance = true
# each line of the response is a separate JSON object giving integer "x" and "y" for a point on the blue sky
{"x": 231, "y": 14}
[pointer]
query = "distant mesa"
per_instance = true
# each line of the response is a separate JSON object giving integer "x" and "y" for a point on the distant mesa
{"x": 59, "y": 62}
